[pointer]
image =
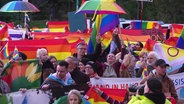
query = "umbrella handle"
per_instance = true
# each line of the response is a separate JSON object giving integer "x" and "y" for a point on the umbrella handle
{"x": 96, "y": 11}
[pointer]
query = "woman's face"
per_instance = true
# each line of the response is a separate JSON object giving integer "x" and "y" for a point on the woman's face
{"x": 54, "y": 62}
{"x": 82, "y": 67}
{"x": 73, "y": 99}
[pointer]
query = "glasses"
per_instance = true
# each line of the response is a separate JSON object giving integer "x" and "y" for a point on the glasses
{"x": 82, "y": 48}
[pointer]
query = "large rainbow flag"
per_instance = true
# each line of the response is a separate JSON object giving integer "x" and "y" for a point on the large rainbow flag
{"x": 57, "y": 47}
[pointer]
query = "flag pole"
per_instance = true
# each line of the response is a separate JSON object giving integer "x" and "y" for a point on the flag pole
{"x": 3, "y": 47}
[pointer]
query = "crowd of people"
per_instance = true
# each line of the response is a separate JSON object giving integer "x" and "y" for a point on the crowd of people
{"x": 123, "y": 62}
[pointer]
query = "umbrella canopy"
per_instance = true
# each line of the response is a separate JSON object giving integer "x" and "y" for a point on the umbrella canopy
{"x": 100, "y": 7}
{"x": 19, "y": 6}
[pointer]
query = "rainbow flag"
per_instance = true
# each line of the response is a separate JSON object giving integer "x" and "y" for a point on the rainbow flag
{"x": 144, "y": 73}
{"x": 57, "y": 47}
{"x": 176, "y": 30}
{"x": 15, "y": 53}
{"x": 57, "y": 26}
{"x": 171, "y": 41}
{"x": 94, "y": 98}
{"x": 109, "y": 21}
{"x": 4, "y": 33}
{"x": 102, "y": 25}
{"x": 172, "y": 55}
{"x": 6, "y": 54}
{"x": 92, "y": 41}
{"x": 180, "y": 42}
{"x": 143, "y": 24}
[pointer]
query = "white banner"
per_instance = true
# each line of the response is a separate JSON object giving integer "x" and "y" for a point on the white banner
{"x": 31, "y": 96}
{"x": 123, "y": 83}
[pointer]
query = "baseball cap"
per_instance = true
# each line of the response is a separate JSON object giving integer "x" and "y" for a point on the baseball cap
{"x": 161, "y": 62}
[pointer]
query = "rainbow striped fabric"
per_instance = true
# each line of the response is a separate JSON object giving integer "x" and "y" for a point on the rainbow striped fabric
{"x": 176, "y": 30}
{"x": 6, "y": 54}
{"x": 143, "y": 24}
{"x": 180, "y": 42}
{"x": 15, "y": 53}
{"x": 94, "y": 98}
{"x": 144, "y": 73}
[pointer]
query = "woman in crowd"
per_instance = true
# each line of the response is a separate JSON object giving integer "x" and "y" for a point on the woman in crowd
{"x": 53, "y": 60}
{"x": 127, "y": 66}
{"x": 74, "y": 97}
{"x": 82, "y": 64}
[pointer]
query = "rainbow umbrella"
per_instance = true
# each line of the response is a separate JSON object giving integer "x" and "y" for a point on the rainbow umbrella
{"x": 19, "y": 6}
{"x": 100, "y": 7}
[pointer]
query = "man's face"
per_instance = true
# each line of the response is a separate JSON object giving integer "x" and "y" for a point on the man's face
{"x": 160, "y": 70}
{"x": 71, "y": 65}
{"x": 138, "y": 47}
{"x": 61, "y": 72}
{"x": 89, "y": 70}
{"x": 81, "y": 49}
{"x": 111, "y": 58}
{"x": 151, "y": 60}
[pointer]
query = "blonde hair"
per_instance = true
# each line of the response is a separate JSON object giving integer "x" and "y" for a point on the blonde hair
{"x": 40, "y": 51}
{"x": 75, "y": 92}
{"x": 128, "y": 59}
